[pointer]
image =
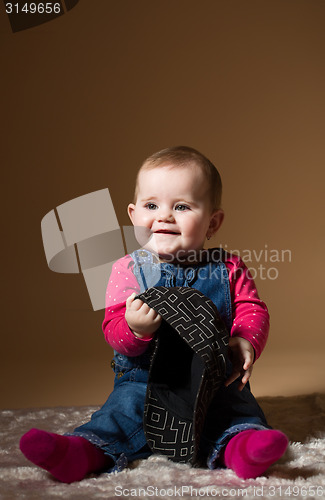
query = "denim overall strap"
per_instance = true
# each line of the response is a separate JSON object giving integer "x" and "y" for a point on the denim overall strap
{"x": 146, "y": 269}
{"x": 212, "y": 280}
{"x": 149, "y": 272}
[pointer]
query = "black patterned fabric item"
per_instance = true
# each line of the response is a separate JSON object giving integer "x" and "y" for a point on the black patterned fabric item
{"x": 187, "y": 368}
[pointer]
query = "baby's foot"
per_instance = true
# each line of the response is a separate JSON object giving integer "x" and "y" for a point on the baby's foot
{"x": 252, "y": 452}
{"x": 68, "y": 458}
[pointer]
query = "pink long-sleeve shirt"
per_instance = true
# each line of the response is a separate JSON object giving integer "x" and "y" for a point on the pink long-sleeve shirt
{"x": 250, "y": 314}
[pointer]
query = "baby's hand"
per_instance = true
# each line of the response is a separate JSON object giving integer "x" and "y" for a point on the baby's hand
{"x": 142, "y": 319}
{"x": 241, "y": 354}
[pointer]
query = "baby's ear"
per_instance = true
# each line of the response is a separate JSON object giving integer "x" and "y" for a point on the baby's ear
{"x": 131, "y": 208}
{"x": 215, "y": 222}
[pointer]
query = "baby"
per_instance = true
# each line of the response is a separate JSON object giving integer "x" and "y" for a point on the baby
{"x": 176, "y": 208}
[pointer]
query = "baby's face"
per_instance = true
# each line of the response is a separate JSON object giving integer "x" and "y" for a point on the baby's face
{"x": 172, "y": 210}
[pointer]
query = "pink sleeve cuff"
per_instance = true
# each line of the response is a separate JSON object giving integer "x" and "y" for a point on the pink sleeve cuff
{"x": 122, "y": 339}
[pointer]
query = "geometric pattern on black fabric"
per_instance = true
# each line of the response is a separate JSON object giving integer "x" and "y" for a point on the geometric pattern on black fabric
{"x": 167, "y": 433}
{"x": 195, "y": 319}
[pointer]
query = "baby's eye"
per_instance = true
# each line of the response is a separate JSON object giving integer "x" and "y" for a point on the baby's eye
{"x": 181, "y": 208}
{"x": 151, "y": 206}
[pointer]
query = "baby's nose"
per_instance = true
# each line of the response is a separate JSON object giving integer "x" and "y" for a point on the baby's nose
{"x": 165, "y": 215}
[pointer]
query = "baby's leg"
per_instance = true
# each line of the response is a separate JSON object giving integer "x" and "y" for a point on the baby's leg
{"x": 67, "y": 458}
{"x": 253, "y": 446}
{"x": 118, "y": 426}
{"x": 251, "y": 452}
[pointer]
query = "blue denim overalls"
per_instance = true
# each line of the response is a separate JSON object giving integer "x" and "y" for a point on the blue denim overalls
{"x": 117, "y": 427}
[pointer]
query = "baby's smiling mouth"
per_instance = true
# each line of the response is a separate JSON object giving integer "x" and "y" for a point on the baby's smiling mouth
{"x": 165, "y": 231}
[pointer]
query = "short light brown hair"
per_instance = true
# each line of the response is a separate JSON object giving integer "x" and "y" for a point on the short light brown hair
{"x": 182, "y": 156}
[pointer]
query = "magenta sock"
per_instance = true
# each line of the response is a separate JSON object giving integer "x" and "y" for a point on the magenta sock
{"x": 68, "y": 458}
{"x": 251, "y": 452}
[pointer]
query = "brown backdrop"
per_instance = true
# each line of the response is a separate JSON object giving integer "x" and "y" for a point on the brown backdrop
{"x": 87, "y": 96}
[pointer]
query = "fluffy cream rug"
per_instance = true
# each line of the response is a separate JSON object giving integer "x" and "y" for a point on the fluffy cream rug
{"x": 300, "y": 473}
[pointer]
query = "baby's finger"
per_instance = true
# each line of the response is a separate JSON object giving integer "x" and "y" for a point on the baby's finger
{"x": 130, "y": 299}
{"x": 136, "y": 305}
{"x": 157, "y": 318}
{"x": 248, "y": 361}
{"x": 148, "y": 311}
{"x": 152, "y": 313}
{"x": 247, "y": 364}
{"x": 245, "y": 378}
